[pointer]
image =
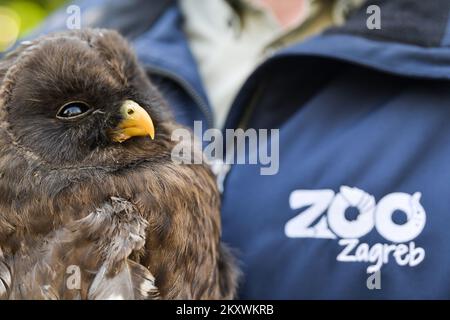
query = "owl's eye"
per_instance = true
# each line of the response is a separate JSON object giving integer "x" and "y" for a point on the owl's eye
{"x": 73, "y": 110}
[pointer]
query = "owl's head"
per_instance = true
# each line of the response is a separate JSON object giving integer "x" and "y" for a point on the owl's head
{"x": 68, "y": 96}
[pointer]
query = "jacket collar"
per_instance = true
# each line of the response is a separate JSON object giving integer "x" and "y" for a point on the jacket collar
{"x": 413, "y": 41}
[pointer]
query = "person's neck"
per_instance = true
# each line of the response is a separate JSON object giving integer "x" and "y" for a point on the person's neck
{"x": 287, "y": 12}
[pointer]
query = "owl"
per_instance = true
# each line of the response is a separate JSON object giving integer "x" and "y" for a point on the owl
{"x": 92, "y": 205}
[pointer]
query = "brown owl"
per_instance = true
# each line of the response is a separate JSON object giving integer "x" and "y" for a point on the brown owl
{"x": 92, "y": 206}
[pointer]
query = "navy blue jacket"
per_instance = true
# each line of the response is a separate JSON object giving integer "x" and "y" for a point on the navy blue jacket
{"x": 364, "y": 178}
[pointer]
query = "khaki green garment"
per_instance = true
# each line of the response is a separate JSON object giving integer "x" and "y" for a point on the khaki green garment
{"x": 230, "y": 38}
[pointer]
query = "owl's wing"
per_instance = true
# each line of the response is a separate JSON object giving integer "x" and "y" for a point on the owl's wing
{"x": 134, "y": 281}
{"x": 118, "y": 276}
{"x": 88, "y": 259}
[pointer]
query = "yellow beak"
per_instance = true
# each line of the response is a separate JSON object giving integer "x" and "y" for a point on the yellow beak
{"x": 136, "y": 122}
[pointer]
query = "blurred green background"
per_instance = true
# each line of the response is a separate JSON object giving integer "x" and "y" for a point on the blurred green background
{"x": 17, "y": 17}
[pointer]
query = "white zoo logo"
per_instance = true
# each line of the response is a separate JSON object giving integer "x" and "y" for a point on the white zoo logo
{"x": 329, "y": 210}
